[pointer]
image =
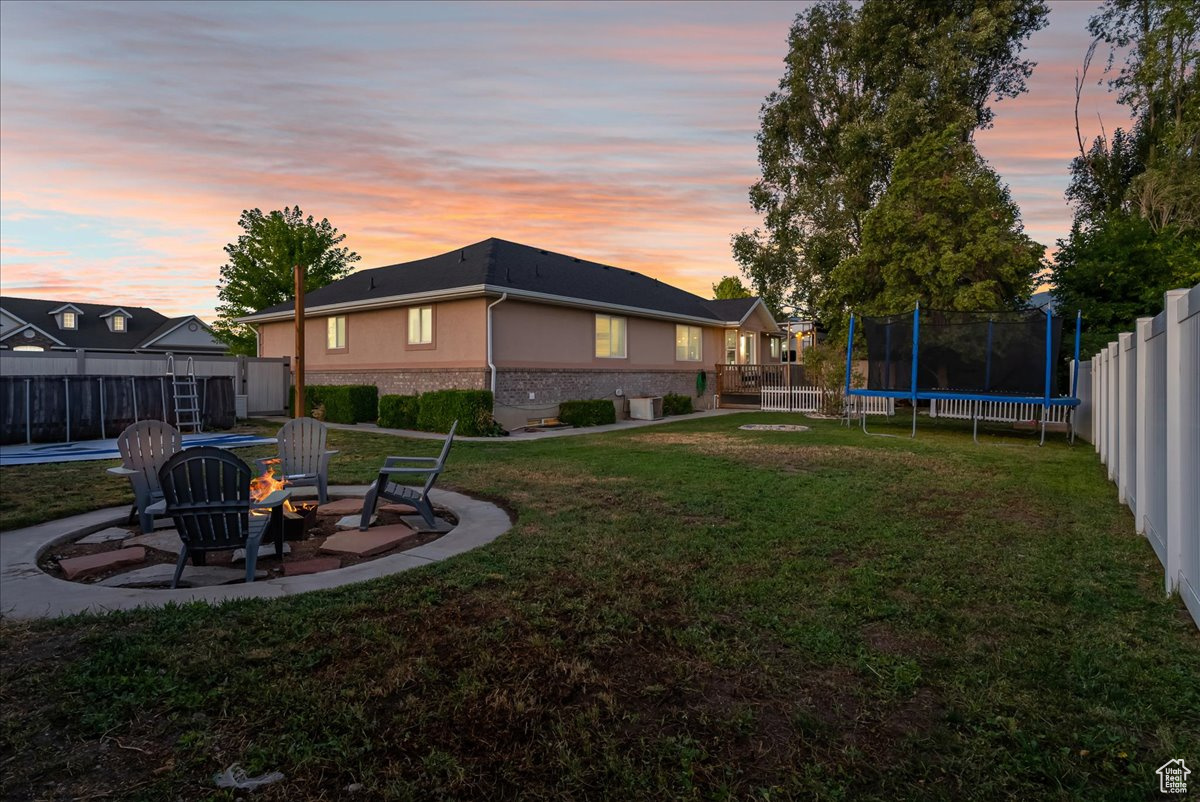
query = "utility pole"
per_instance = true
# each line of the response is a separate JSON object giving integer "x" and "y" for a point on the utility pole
{"x": 298, "y": 406}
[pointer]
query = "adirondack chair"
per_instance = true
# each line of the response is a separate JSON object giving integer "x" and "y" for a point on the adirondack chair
{"x": 384, "y": 487}
{"x": 145, "y": 447}
{"x": 206, "y": 491}
{"x": 303, "y": 459}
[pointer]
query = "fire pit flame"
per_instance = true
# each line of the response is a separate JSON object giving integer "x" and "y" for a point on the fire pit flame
{"x": 265, "y": 485}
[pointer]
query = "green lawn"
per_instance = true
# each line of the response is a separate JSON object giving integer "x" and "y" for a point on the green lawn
{"x": 682, "y": 611}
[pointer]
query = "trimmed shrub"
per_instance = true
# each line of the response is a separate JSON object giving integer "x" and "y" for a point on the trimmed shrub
{"x": 677, "y": 404}
{"x": 587, "y": 413}
{"x": 344, "y": 403}
{"x": 471, "y": 408}
{"x": 399, "y": 411}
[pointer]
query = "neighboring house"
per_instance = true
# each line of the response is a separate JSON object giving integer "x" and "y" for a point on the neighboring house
{"x": 536, "y": 327}
{"x": 31, "y": 324}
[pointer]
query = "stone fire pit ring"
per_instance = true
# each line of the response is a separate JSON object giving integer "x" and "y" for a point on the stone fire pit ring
{"x": 29, "y": 592}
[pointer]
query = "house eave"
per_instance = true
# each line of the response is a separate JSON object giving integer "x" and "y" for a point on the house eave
{"x": 477, "y": 290}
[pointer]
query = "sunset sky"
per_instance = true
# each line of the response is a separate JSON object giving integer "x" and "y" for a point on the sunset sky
{"x": 134, "y": 134}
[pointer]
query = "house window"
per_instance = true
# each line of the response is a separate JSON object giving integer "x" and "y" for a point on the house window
{"x": 610, "y": 337}
{"x": 420, "y": 325}
{"x": 731, "y": 347}
{"x": 29, "y": 348}
{"x": 774, "y": 348}
{"x": 687, "y": 343}
{"x": 335, "y": 333}
{"x": 69, "y": 320}
{"x": 118, "y": 322}
{"x": 749, "y": 351}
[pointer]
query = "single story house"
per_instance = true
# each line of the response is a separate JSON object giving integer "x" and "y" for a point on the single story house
{"x": 535, "y": 327}
{"x": 34, "y": 324}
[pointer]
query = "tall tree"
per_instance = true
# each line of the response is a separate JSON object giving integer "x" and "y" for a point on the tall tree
{"x": 1136, "y": 196}
{"x": 859, "y": 86}
{"x": 259, "y": 272}
{"x": 730, "y": 287}
{"x": 945, "y": 233}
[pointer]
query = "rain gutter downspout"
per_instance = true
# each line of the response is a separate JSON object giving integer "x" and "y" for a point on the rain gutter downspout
{"x": 491, "y": 364}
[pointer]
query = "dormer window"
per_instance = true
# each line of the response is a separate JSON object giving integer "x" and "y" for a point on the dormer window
{"x": 117, "y": 320}
{"x": 67, "y": 316}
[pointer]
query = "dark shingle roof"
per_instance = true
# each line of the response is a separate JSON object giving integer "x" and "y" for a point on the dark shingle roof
{"x": 144, "y": 324}
{"x": 510, "y": 266}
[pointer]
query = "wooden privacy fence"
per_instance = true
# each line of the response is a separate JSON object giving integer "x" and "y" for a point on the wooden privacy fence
{"x": 263, "y": 381}
{"x": 55, "y": 409}
{"x": 1144, "y": 399}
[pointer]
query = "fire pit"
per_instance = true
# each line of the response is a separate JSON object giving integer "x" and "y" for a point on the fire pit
{"x": 298, "y": 519}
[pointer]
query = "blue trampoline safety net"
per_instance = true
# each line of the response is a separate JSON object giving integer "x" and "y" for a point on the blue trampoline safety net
{"x": 968, "y": 353}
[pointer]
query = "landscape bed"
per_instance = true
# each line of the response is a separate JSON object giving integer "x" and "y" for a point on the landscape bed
{"x": 680, "y": 611}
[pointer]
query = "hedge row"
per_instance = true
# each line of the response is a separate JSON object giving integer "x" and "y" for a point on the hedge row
{"x": 344, "y": 403}
{"x": 436, "y": 412}
{"x": 674, "y": 404}
{"x": 587, "y": 413}
{"x": 398, "y": 411}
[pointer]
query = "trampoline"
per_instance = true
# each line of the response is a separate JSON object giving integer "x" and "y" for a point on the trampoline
{"x": 979, "y": 357}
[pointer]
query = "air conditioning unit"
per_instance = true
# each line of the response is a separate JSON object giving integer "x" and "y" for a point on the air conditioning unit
{"x": 646, "y": 408}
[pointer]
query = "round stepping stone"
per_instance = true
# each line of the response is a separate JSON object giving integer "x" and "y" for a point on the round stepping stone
{"x": 773, "y": 427}
{"x": 79, "y": 567}
{"x": 366, "y": 544}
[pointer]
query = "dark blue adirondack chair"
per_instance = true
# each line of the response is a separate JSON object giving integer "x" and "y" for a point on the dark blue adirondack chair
{"x": 206, "y": 492}
{"x": 394, "y": 467}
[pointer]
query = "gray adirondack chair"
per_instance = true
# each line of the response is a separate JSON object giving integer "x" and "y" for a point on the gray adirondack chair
{"x": 394, "y": 467}
{"x": 145, "y": 447}
{"x": 303, "y": 459}
{"x": 206, "y": 491}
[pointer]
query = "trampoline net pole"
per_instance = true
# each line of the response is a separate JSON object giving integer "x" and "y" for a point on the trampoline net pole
{"x": 916, "y": 341}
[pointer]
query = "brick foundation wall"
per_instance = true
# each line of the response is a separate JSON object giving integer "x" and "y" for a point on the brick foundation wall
{"x": 550, "y": 387}
{"x": 409, "y": 381}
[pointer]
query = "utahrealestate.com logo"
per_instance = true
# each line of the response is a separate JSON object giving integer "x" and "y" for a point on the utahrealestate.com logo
{"x": 1172, "y": 777}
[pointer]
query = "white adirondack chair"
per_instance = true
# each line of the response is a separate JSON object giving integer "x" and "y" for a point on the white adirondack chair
{"x": 303, "y": 459}
{"x": 145, "y": 447}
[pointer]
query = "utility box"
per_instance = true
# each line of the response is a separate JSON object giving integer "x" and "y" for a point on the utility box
{"x": 647, "y": 408}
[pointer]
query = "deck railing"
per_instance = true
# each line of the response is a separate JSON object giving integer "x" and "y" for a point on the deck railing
{"x": 752, "y": 379}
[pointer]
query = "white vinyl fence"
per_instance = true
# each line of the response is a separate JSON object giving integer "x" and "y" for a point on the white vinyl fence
{"x": 263, "y": 380}
{"x": 999, "y": 411}
{"x": 1145, "y": 424}
{"x": 809, "y": 399}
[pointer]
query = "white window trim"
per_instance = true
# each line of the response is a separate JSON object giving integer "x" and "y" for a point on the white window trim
{"x": 624, "y": 339}
{"x": 699, "y": 357}
{"x": 428, "y": 335}
{"x": 332, "y": 345}
{"x": 74, "y": 321}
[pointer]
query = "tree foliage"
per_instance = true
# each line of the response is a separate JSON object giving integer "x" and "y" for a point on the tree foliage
{"x": 260, "y": 274}
{"x": 860, "y": 85}
{"x": 945, "y": 233}
{"x": 1136, "y": 196}
{"x": 730, "y": 287}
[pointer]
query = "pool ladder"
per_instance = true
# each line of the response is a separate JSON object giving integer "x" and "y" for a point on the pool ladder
{"x": 187, "y": 399}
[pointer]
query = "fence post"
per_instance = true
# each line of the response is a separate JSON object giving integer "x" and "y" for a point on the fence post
{"x": 1114, "y": 412}
{"x": 1141, "y": 423}
{"x": 80, "y": 362}
{"x": 1124, "y": 430}
{"x": 1177, "y": 374}
{"x": 28, "y": 414}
